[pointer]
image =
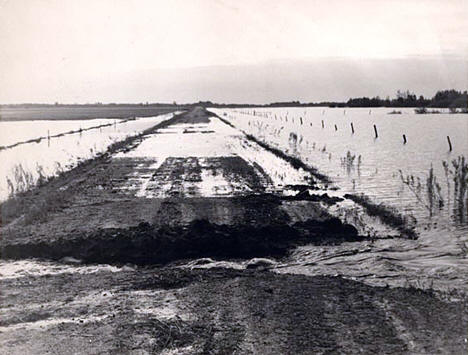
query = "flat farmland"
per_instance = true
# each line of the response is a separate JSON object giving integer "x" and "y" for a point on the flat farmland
{"x": 80, "y": 112}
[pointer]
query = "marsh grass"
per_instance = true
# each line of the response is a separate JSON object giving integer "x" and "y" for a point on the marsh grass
{"x": 457, "y": 173}
{"x": 350, "y": 162}
{"x": 21, "y": 180}
{"x": 430, "y": 193}
{"x": 47, "y": 204}
{"x": 19, "y": 205}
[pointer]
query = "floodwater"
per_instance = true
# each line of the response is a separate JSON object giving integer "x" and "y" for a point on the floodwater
{"x": 12, "y": 132}
{"x": 50, "y": 156}
{"x": 441, "y": 250}
{"x": 375, "y": 169}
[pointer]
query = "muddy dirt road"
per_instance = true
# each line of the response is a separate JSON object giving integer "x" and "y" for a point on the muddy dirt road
{"x": 169, "y": 243}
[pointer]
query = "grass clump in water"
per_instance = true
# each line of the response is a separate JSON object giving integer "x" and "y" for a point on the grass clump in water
{"x": 430, "y": 197}
{"x": 430, "y": 193}
{"x": 458, "y": 173}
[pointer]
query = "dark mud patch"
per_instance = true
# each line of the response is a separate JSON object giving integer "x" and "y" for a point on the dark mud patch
{"x": 301, "y": 188}
{"x": 25, "y": 318}
{"x": 172, "y": 174}
{"x": 178, "y": 176}
{"x": 169, "y": 278}
{"x": 197, "y": 115}
{"x": 260, "y": 210}
{"x": 237, "y": 170}
{"x": 149, "y": 244}
{"x": 188, "y": 131}
{"x": 263, "y": 173}
{"x": 305, "y": 195}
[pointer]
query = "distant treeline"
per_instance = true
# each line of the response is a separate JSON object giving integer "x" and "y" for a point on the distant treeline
{"x": 442, "y": 99}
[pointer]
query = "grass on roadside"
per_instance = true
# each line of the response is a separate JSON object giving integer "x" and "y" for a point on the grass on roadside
{"x": 388, "y": 215}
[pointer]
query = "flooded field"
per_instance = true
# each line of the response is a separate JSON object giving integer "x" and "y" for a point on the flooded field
{"x": 81, "y": 112}
{"x": 12, "y": 132}
{"x": 24, "y": 164}
{"x": 377, "y": 171}
{"x": 361, "y": 163}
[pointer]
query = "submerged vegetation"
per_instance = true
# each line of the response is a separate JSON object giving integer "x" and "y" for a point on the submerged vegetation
{"x": 430, "y": 193}
{"x": 349, "y": 161}
{"x": 431, "y": 196}
{"x": 424, "y": 110}
{"x": 429, "y": 190}
{"x": 458, "y": 173}
{"x": 22, "y": 179}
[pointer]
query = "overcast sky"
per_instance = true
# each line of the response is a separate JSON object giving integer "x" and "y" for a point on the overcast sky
{"x": 230, "y": 51}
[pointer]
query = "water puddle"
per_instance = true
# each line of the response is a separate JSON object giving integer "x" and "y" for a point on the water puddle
{"x": 46, "y": 323}
{"x": 31, "y": 267}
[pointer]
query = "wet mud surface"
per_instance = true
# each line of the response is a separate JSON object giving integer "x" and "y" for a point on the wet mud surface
{"x": 221, "y": 228}
{"x": 220, "y": 311}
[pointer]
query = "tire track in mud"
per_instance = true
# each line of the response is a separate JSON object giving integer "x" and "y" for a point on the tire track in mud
{"x": 221, "y": 311}
{"x": 230, "y": 164}
{"x": 264, "y": 313}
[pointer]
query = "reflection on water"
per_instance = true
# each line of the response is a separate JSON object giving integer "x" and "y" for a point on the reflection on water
{"x": 50, "y": 156}
{"x": 376, "y": 161}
